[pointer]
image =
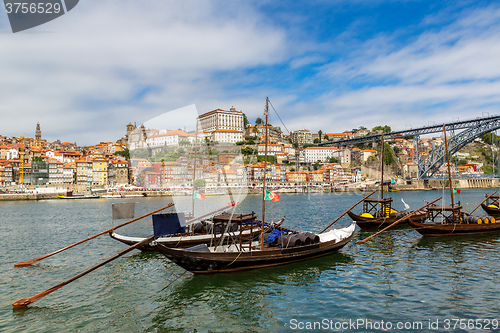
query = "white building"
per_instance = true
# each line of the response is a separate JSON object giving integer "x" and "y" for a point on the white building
{"x": 222, "y": 126}
{"x": 170, "y": 138}
{"x": 323, "y": 154}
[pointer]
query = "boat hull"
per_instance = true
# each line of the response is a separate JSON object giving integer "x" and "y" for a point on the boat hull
{"x": 78, "y": 197}
{"x": 490, "y": 210}
{"x": 452, "y": 229}
{"x": 217, "y": 262}
{"x": 367, "y": 223}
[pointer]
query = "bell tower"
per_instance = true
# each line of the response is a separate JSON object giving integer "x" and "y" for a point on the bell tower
{"x": 38, "y": 132}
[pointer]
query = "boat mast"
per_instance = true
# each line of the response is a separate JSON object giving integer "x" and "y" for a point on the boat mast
{"x": 194, "y": 166}
{"x": 382, "y": 170}
{"x": 266, "y": 113}
{"x": 448, "y": 162}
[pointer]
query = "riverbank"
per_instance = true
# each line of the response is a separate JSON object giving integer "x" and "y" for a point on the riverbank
{"x": 414, "y": 185}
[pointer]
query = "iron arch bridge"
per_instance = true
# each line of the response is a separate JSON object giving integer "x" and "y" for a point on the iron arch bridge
{"x": 429, "y": 164}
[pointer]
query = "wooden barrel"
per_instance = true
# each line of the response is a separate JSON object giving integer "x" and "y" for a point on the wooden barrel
{"x": 304, "y": 240}
{"x": 486, "y": 219}
{"x": 314, "y": 238}
{"x": 286, "y": 241}
{"x": 492, "y": 219}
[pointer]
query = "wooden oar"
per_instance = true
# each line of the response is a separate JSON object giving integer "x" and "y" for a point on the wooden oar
{"x": 396, "y": 222}
{"x": 489, "y": 196}
{"x": 26, "y": 301}
{"x": 338, "y": 218}
{"x": 29, "y": 262}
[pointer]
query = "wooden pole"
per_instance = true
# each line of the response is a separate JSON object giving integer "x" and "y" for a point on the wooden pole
{"x": 26, "y": 301}
{"x": 396, "y": 222}
{"x": 29, "y": 262}
{"x": 449, "y": 172}
{"x": 266, "y": 112}
{"x": 489, "y": 196}
{"x": 338, "y": 218}
{"x": 382, "y": 170}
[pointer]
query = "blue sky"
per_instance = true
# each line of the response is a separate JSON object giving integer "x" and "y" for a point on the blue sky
{"x": 325, "y": 65}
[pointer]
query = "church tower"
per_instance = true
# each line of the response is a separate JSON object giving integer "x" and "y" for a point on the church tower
{"x": 38, "y": 133}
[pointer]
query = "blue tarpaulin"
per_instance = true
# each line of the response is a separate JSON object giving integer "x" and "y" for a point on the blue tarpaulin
{"x": 274, "y": 235}
{"x": 168, "y": 224}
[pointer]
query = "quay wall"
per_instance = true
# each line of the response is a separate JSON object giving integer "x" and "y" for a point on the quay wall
{"x": 415, "y": 185}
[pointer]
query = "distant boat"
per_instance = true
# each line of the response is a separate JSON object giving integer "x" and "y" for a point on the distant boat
{"x": 72, "y": 196}
{"x": 491, "y": 206}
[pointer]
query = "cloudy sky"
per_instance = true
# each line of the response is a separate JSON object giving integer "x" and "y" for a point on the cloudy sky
{"x": 325, "y": 65}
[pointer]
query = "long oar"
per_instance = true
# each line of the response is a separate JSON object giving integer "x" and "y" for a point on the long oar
{"x": 482, "y": 202}
{"x": 29, "y": 262}
{"x": 396, "y": 222}
{"x": 338, "y": 218}
{"x": 26, "y": 301}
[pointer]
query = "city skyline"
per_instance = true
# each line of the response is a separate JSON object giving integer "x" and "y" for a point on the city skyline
{"x": 325, "y": 65}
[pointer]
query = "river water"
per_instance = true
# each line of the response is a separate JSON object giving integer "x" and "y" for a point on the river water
{"x": 397, "y": 279}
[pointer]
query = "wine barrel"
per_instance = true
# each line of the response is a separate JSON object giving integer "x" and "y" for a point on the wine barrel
{"x": 304, "y": 240}
{"x": 286, "y": 241}
{"x": 314, "y": 238}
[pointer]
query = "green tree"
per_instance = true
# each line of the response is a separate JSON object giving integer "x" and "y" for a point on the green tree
{"x": 387, "y": 154}
{"x": 271, "y": 159}
{"x": 247, "y": 151}
{"x": 199, "y": 183}
{"x": 320, "y": 133}
{"x": 259, "y": 121}
{"x": 124, "y": 153}
{"x": 489, "y": 138}
{"x": 384, "y": 129}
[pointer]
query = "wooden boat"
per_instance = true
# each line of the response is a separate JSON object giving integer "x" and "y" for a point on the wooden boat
{"x": 451, "y": 220}
{"x": 378, "y": 213}
{"x": 236, "y": 257}
{"x": 491, "y": 205}
{"x": 205, "y": 232}
{"x": 280, "y": 246}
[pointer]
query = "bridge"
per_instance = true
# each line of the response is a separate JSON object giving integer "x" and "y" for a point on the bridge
{"x": 429, "y": 164}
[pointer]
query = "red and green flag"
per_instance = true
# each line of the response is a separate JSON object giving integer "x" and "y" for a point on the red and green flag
{"x": 199, "y": 196}
{"x": 456, "y": 190}
{"x": 273, "y": 196}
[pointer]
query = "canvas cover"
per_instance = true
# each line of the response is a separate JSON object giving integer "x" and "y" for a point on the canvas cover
{"x": 123, "y": 210}
{"x": 168, "y": 224}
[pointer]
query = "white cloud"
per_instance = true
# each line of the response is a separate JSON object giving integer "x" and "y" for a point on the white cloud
{"x": 80, "y": 75}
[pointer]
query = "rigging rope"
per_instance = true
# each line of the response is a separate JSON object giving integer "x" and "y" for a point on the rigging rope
{"x": 279, "y": 117}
